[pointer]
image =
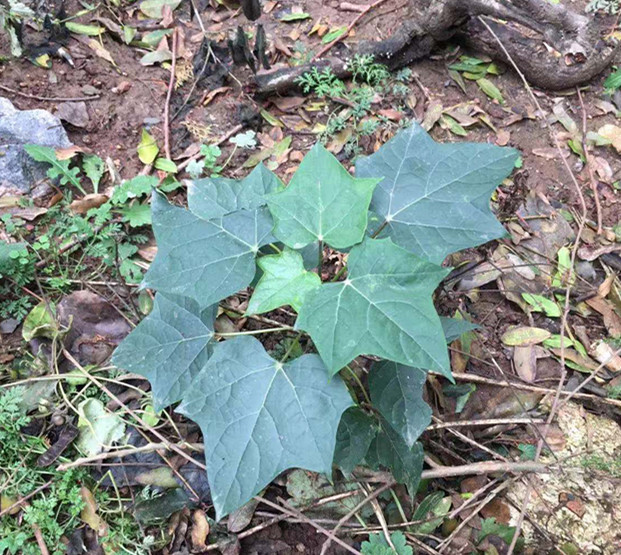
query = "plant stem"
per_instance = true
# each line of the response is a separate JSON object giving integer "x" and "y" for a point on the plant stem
{"x": 255, "y": 332}
{"x": 357, "y": 380}
{"x": 379, "y": 229}
{"x": 273, "y": 246}
{"x": 295, "y": 342}
{"x": 339, "y": 273}
{"x": 320, "y": 259}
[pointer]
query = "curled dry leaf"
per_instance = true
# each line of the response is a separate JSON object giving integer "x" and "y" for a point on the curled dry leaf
{"x": 83, "y": 205}
{"x": 606, "y": 355}
{"x": 612, "y": 134}
{"x": 89, "y": 514}
{"x": 200, "y": 530}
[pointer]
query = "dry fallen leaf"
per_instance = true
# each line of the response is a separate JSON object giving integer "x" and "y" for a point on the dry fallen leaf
{"x": 525, "y": 362}
{"x": 611, "y": 133}
{"x": 200, "y": 530}
{"x": 83, "y": 205}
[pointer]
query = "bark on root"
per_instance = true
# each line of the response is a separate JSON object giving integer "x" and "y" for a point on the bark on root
{"x": 555, "y": 48}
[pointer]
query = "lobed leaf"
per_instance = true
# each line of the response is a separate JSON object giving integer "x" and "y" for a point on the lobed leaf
{"x": 323, "y": 202}
{"x": 434, "y": 198}
{"x": 353, "y": 439}
{"x": 169, "y": 347}
{"x": 383, "y": 308}
{"x": 285, "y": 281}
{"x": 388, "y": 450}
{"x": 260, "y": 417}
{"x": 397, "y": 393}
{"x": 214, "y": 197}
{"x": 207, "y": 260}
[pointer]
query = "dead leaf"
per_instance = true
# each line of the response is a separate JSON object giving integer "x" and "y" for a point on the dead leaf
{"x": 74, "y": 113}
{"x": 432, "y": 115}
{"x": 502, "y": 137}
{"x": 602, "y": 168}
{"x": 100, "y": 51}
{"x": 497, "y": 509}
{"x": 70, "y": 152}
{"x": 525, "y": 362}
{"x": 212, "y": 94}
{"x": 288, "y": 103}
{"x": 200, "y": 530}
{"x": 167, "y": 16}
{"x": 392, "y": 115}
{"x": 550, "y": 153}
{"x": 89, "y": 513}
{"x": 575, "y": 357}
{"x": 84, "y": 204}
{"x": 591, "y": 254}
{"x": 611, "y": 133}
{"x": 612, "y": 321}
{"x": 606, "y": 355}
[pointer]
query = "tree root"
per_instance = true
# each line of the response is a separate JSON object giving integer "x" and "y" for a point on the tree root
{"x": 555, "y": 48}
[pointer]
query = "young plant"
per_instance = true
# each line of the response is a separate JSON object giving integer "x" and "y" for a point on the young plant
{"x": 411, "y": 204}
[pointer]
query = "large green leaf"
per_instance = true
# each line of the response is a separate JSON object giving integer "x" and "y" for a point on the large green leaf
{"x": 383, "y": 308}
{"x": 169, "y": 347}
{"x": 434, "y": 198}
{"x": 206, "y": 260}
{"x": 388, "y": 450}
{"x": 353, "y": 439}
{"x": 323, "y": 202}
{"x": 397, "y": 393}
{"x": 213, "y": 197}
{"x": 285, "y": 281}
{"x": 260, "y": 417}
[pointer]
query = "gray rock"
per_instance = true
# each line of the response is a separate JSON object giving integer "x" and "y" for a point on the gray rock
{"x": 18, "y": 172}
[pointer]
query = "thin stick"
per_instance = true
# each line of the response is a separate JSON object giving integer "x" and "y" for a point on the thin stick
{"x": 295, "y": 513}
{"x": 544, "y": 390}
{"x": 483, "y": 422}
{"x": 171, "y": 84}
{"x": 170, "y": 445}
{"x": 50, "y": 98}
{"x": 39, "y": 537}
{"x": 328, "y": 46}
{"x": 120, "y": 453}
{"x": 482, "y": 468}
{"x": 589, "y": 165}
{"x": 24, "y": 499}
{"x": 350, "y": 514}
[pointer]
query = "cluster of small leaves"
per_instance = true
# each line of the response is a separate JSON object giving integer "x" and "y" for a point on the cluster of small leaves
{"x": 411, "y": 204}
{"x": 369, "y": 79}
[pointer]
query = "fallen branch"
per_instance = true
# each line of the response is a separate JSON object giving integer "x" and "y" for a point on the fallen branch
{"x": 50, "y": 98}
{"x": 580, "y": 48}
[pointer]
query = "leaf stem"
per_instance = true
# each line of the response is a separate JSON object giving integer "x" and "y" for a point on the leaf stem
{"x": 379, "y": 229}
{"x": 295, "y": 342}
{"x": 320, "y": 259}
{"x": 359, "y": 382}
{"x": 255, "y": 332}
{"x": 273, "y": 246}
{"x": 339, "y": 273}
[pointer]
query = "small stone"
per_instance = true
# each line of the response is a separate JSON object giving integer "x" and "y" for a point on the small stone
{"x": 89, "y": 90}
{"x": 18, "y": 171}
{"x": 151, "y": 121}
{"x": 9, "y": 325}
{"x": 52, "y": 78}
